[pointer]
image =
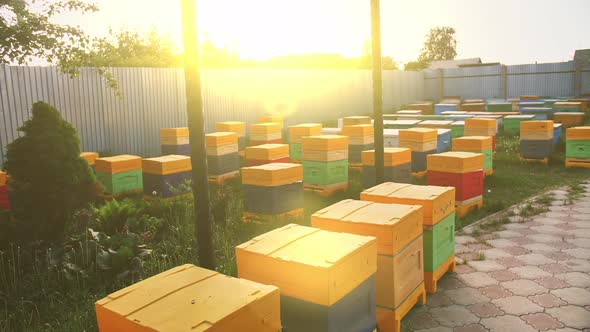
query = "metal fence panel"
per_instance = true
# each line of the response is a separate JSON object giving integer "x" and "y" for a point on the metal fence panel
{"x": 546, "y": 79}
{"x": 472, "y": 82}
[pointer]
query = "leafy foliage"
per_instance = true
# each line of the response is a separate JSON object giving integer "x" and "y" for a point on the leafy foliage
{"x": 415, "y": 65}
{"x": 440, "y": 44}
{"x": 49, "y": 180}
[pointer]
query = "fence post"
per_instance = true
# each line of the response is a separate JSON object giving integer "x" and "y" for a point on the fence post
{"x": 440, "y": 85}
{"x": 504, "y": 82}
{"x": 578, "y": 78}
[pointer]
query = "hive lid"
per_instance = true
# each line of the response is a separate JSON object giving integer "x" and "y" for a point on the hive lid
{"x": 391, "y": 156}
{"x": 275, "y": 174}
{"x": 90, "y": 157}
{"x": 476, "y": 143}
{"x": 166, "y": 164}
{"x": 418, "y": 135}
{"x": 221, "y": 139}
{"x": 267, "y": 152}
{"x": 265, "y": 128}
{"x": 325, "y": 142}
{"x": 358, "y": 130}
{"x": 231, "y": 126}
{"x": 118, "y": 164}
{"x": 578, "y": 133}
{"x": 305, "y": 129}
{"x": 174, "y": 132}
{"x": 455, "y": 162}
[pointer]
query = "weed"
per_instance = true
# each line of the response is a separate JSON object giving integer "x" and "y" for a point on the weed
{"x": 480, "y": 256}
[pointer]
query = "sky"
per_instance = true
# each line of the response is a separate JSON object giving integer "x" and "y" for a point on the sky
{"x": 506, "y": 31}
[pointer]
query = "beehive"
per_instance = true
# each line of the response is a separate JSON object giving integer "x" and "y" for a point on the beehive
{"x": 326, "y": 279}
{"x": 569, "y": 119}
{"x": 499, "y": 120}
{"x": 461, "y": 170}
{"x": 439, "y": 108}
{"x": 166, "y": 176}
{"x": 499, "y": 107}
{"x": 355, "y": 120}
{"x": 271, "y": 119}
{"x": 567, "y": 106}
{"x": 325, "y": 163}
{"x": 265, "y": 133}
{"x": 577, "y": 147}
{"x": 473, "y": 107}
{"x": 557, "y": 133}
{"x": 411, "y": 112}
{"x": 266, "y": 154}
{"x": 438, "y": 206}
{"x": 529, "y": 97}
{"x": 536, "y": 139}
{"x": 4, "y": 202}
{"x": 234, "y": 127}
{"x": 443, "y": 141}
{"x": 529, "y": 103}
{"x": 175, "y": 141}
{"x": 398, "y": 230}
{"x": 539, "y": 113}
{"x": 119, "y": 174}
{"x": 360, "y": 138}
{"x": 90, "y": 158}
{"x": 400, "y": 124}
{"x": 272, "y": 191}
{"x": 435, "y": 124}
{"x": 296, "y": 134}
{"x": 223, "y": 160}
{"x": 477, "y": 144}
{"x": 397, "y": 166}
{"x": 191, "y": 298}
{"x": 390, "y": 138}
{"x": 584, "y": 103}
{"x": 481, "y": 127}
{"x": 422, "y": 142}
{"x": 457, "y": 129}
{"x": 512, "y": 123}
{"x": 425, "y": 107}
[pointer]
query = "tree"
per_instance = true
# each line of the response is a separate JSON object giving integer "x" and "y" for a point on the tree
{"x": 415, "y": 65}
{"x": 49, "y": 180}
{"x": 440, "y": 44}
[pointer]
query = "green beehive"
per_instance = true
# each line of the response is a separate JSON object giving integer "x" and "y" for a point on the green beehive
{"x": 325, "y": 173}
{"x": 577, "y": 149}
{"x": 512, "y": 123}
{"x": 432, "y": 117}
{"x": 121, "y": 182}
{"x": 499, "y": 107}
{"x": 457, "y": 129}
{"x": 295, "y": 151}
{"x": 439, "y": 243}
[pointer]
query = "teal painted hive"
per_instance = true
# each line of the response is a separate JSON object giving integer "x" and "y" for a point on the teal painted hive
{"x": 325, "y": 173}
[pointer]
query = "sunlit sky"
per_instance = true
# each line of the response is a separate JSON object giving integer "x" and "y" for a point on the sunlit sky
{"x": 507, "y": 31}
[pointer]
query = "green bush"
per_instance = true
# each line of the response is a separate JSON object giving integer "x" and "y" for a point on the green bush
{"x": 49, "y": 180}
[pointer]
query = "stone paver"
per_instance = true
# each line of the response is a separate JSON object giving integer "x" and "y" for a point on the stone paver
{"x": 535, "y": 276}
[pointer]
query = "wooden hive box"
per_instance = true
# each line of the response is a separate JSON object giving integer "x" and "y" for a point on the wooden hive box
{"x": 456, "y": 162}
{"x": 2, "y": 178}
{"x": 267, "y": 153}
{"x": 419, "y": 135}
{"x": 265, "y": 128}
{"x": 174, "y": 132}
{"x": 231, "y": 126}
{"x": 166, "y": 164}
{"x": 189, "y": 298}
{"x": 355, "y": 120}
{"x": 271, "y": 175}
{"x": 437, "y": 202}
{"x": 325, "y": 143}
{"x": 90, "y": 157}
{"x": 392, "y": 157}
{"x": 297, "y": 132}
{"x": 271, "y": 118}
{"x": 578, "y": 133}
{"x": 118, "y": 164}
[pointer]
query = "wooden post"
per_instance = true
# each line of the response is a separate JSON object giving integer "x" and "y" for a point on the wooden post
{"x": 441, "y": 83}
{"x": 504, "y": 82}
{"x": 377, "y": 90}
{"x": 194, "y": 109}
{"x": 578, "y": 79}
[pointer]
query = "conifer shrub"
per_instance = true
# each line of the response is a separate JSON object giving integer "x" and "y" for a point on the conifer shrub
{"x": 49, "y": 180}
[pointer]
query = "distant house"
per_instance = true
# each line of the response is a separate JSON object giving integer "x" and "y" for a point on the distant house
{"x": 445, "y": 64}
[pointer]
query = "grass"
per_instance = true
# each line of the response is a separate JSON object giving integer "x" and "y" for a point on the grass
{"x": 45, "y": 301}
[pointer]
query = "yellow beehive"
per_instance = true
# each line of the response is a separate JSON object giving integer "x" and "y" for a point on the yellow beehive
{"x": 419, "y": 146}
{"x": 394, "y": 225}
{"x": 325, "y": 143}
{"x": 568, "y": 104}
{"x": 438, "y": 202}
{"x": 355, "y": 120}
{"x": 305, "y": 129}
{"x": 358, "y": 130}
{"x": 118, "y": 164}
{"x": 189, "y": 298}
{"x": 174, "y": 132}
{"x": 271, "y": 118}
{"x": 222, "y": 149}
{"x": 267, "y": 152}
{"x": 578, "y": 133}
{"x": 419, "y": 135}
{"x": 479, "y": 131}
{"x": 391, "y": 157}
{"x": 480, "y": 123}
{"x": 455, "y": 162}
{"x": 2, "y": 178}
{"x": 308, "y": 264}
{"x": 221, "y": 139}
{"x": 324, "y": 156}
{"x": 271, "y": 175}
{"x": 265, "y": 128}
{"x": 472, "y": 143}
{"x": 529, "y": 97}
{"x": 536, "y": 126}
{"x": 231, "y": 126}
{"x": 166, "y": 165}
{"x": 435, "y": 124}
{"x": 90, "y": 157}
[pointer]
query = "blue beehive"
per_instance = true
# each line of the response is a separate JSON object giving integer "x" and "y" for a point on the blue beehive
{"x": 443, "y": 140}
{"x": 540, "y": 113}
{"x": 557, "y": 132}
{"x": 439, "y": 108}
{"x": 419, "y": 160}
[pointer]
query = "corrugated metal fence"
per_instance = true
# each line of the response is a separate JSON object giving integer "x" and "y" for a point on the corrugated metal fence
{"x": 155, "y": 98}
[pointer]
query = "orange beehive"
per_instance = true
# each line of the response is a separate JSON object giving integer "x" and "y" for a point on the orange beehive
{"x": 297, "y": 132}
{"x": 118, "y": 164}
{"x": 271, "y": 175}
{"x": 166, "y": 164}
{"x": 418, "y": 135}
{"x": 536, "y": 126}
{"x": 480, "y": 123}
{"x": 271, "y": 118}
{"x": 455, "y": 162}
{"x": 265, "y": 128}
{"x": 578, "y": 133}
{"x": 391, "y": 157}
{"x": 90, "y": 157}
{"x": 174, "y": 132}
{"x": 190, "y": 298}
{"x": 267, "y": 152}
{"x": 355, "y": 120}
{"x": 472, "y": 143}
{"x": 231, "y": 126}
{"x": 325, "y": 143}
{"x": 221, "y": 139}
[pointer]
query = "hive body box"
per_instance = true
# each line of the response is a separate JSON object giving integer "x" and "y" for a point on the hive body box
{"x": 422, "y": 142}
{"x": 425, "y": 107}
{"x": 167, "y": 176}
{"x": 566, "y": 106}
{"x": 390, "y": 138}
{"x": 360, "y": 138}
{"x": 120, "y": 174}
{"x": 512, "y": 123}
{"x": 400, "y": 124}
{"x": 326, "y": 279}
{"x": 175, "y": 141}
{"x": 577, "y": 147}
{"x": 223, "y": 160}
{"x": 539, "y": 113}
{"x": 266, "y": 154}
{"x": 569, "y": 119}
{"x": 272, "y": 191}
{"x": 296, "y": 134}
{"x": 439, "y": 108}
{"x": 443, "y": 142}
{"x": 90, "y": 158}
{"x": 355, "y": 120}
{"x": 457, "y": 129}
{"x": 499, "y": 107}
{"x": 4, "y": 202}
{"x": 234, "y": 127}
{"x": 474, "y": 107}
{"x": 464, "y": 172}
{"x": 536, "y": 139}
{"x": 397, "y": 166}
{"x": 477, "y": 144}
{"x": 481, "y": 127}
{"x": 266, "y": 133}
{"x": 557, "y": 132}
{"x": 438, "y": 206}
{"x": 398, "y": 230}
{"x": 189, "y": 298}
{"x": 325, "y": 163}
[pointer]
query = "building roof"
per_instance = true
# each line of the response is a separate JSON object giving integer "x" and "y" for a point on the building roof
{"x": 582, "y": 55}
{"x": 444, "y": 64}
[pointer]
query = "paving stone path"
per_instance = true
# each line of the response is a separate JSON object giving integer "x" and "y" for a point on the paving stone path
{"x": 528, "y": 276}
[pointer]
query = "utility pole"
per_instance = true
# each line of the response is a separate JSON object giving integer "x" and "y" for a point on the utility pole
{"x": 196, "y": 126}
{"x": 377, "y": 90}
